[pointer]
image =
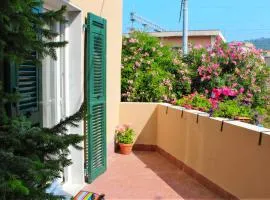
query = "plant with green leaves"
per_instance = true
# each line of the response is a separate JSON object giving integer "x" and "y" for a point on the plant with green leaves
{"x": 31, "y": 157}
{"x": 233, "y": 108}
{"x": 195, "y": 101}
{"x": 124, "y": 134}
{"x": 151, "y": 72}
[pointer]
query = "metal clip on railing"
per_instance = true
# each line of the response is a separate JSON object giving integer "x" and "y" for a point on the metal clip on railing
{"x": 222, "y": 123}
{"x": 182, "y": 113}
{"x": 202, "y": 115}
{"x": 261, "y": 136}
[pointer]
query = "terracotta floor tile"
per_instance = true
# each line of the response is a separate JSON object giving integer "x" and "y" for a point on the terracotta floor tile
{"x": 147, "y": 176}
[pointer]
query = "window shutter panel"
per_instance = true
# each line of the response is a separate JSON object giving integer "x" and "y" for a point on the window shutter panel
{"x": 96, "y": 96}
{"x": 28, "y": 86}
{"x": 25, "y": 80}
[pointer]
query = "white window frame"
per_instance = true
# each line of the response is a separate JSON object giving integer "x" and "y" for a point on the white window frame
{"x": 55, "y": 81}
{"x": 70, "y": 89}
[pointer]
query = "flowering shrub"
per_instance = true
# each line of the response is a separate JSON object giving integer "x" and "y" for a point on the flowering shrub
{"x": 124, "y": 134}
{"x": 229, "y": 70}
{"x": 226, "y": 79}
{"x": 195, "y": 101}
{"x": 150, "y": 71}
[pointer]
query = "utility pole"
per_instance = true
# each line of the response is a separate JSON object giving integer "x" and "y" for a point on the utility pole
{"x": 185, "y": 27}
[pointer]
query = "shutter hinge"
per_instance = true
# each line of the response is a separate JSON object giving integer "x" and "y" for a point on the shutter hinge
{"x": 84, "y": 27}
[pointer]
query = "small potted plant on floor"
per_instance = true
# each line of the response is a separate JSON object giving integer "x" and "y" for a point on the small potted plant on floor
{"x": 125, "y": 138}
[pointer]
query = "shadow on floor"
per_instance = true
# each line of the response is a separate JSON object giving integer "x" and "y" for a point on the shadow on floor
{"x": 184, "y": 185}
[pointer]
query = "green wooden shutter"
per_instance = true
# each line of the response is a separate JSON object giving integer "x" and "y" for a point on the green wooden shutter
{"x": 96, "y": 96}
{"x": 25, "y": 80}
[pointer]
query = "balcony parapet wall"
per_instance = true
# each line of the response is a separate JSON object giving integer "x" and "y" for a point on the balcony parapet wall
{"x": 231, "y": 154}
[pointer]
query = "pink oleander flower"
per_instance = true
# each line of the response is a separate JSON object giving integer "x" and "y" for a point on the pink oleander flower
{"x": 137, "y": 64}
{"x": 234, "y": 62}
{"x": 214, "y": 103}
{"x": 249, "y": 95}
{"x": 237, "y": 70}
{"x": 173, "y": 102}
{"x": 213, "y": 54}
{"x": 198, "y": 46}
{"x": 132, "y": 40}
{"x": 203, "y": 57}
{"x": 128, "y": 125}
{"x": 165, "y": 97}
{"x": 176, "y": 61}
{"x": 187, "y": 106}
{"x": 233, "y": 93}
{"x": 120, "y": 129}
{"x": 241, "y": 91}
{"x": 146, "y": 54}
{"x": 216, "y": 92}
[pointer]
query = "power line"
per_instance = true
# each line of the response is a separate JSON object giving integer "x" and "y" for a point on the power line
{"x": 144, "y": 22}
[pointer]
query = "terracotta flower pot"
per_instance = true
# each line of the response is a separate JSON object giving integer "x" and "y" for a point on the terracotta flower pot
{"x": 125, "y": 148}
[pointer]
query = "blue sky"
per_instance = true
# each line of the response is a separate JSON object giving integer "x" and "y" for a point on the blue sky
{"x": 237, "y": 19}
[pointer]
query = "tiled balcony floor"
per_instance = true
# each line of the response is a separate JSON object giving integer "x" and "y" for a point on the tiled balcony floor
{"x": 147, "y": 175}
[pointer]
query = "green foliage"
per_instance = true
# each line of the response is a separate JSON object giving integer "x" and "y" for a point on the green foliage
{"x": 195, "y": 101}
{"x": 266, "y": 117}
{"x": 151, "y": 72}
{"x": 20, "y": 21}
{"x": 31, "y": 157}
{"x": 233, "y": 108}
{"x": 125, "y": 134}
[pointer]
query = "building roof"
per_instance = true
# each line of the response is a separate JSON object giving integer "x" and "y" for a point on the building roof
{"x": 190, "y": 33}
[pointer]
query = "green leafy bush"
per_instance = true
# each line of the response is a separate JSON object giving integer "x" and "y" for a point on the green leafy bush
{"x": 195, "y": 101}
{"x": 151, "y": 72}
{"x": 233, "y": 108}
{"x": 124, "y": 134}
{"x": 31, "y": 157}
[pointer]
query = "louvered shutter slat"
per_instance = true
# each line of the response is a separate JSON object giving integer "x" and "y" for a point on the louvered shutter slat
{"x": 27, "y": 87}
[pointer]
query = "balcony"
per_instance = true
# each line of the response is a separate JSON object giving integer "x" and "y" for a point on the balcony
{"x": 147, "y": 175}
{"x": 185, "y": 154}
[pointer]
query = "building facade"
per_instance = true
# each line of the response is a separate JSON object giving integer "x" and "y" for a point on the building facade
{"x": 66, "y": 84}
{"x": 199, "y": 37}
{"x": 87, "y": 70}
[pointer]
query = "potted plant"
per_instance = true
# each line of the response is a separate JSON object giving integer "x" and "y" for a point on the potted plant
{"x": 125, "y": 138}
